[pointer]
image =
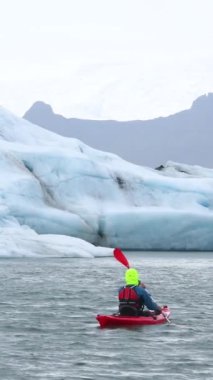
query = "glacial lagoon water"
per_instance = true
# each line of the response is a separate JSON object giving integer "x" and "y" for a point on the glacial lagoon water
{"x": 48, "y": 328}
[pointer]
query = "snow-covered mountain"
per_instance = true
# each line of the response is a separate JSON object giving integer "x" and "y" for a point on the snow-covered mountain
{"x": 53, "y": 186}
{"x": 184, "y": 137}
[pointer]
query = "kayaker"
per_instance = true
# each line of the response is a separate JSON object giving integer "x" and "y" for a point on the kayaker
{"x": 134, "y": 296}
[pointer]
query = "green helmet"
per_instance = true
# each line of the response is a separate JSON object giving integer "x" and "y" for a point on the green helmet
{"x": 132, "y": 277}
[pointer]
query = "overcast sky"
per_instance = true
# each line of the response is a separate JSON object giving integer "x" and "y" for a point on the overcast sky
{"x": 120, "y": 59}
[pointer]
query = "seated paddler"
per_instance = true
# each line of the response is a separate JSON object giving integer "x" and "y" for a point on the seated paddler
{"x": 134, "y": 296}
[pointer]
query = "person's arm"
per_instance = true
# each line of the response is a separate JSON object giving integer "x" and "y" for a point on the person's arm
{"x": 148, "y": 300}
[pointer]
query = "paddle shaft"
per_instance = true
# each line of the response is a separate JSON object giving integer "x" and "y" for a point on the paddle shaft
{"x": 165, "y": 316}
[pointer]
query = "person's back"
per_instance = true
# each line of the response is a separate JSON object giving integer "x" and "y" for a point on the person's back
{"x": 134, "y": 296}
{"x": 129, "y": 301}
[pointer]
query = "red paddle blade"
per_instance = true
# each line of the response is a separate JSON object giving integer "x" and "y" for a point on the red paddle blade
{"x": 119, "y": 255}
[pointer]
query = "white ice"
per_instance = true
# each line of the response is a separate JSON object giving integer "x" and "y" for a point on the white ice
{"x": 61, "y": 197}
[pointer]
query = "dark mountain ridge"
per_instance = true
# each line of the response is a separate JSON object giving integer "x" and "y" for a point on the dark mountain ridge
{"x": 186, "y": 136}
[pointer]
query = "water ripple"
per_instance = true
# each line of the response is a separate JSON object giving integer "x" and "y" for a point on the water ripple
{"x": 48, "y": 328}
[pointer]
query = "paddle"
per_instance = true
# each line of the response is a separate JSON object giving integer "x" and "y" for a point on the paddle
{"x": 119, "y": 255}
{"x": 165, "y": 316}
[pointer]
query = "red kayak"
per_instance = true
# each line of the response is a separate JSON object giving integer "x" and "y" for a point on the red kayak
{"x": 116, "y": 320}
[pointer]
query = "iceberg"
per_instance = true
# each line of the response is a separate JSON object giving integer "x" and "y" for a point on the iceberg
{"x": 21, "y": 241}
{"x": 59, "y": 196}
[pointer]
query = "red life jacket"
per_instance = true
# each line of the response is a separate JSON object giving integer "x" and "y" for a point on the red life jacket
{"x": 128, "y": 296}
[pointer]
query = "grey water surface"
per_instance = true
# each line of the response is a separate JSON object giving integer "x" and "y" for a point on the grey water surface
{"x": 48, "y": 328}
